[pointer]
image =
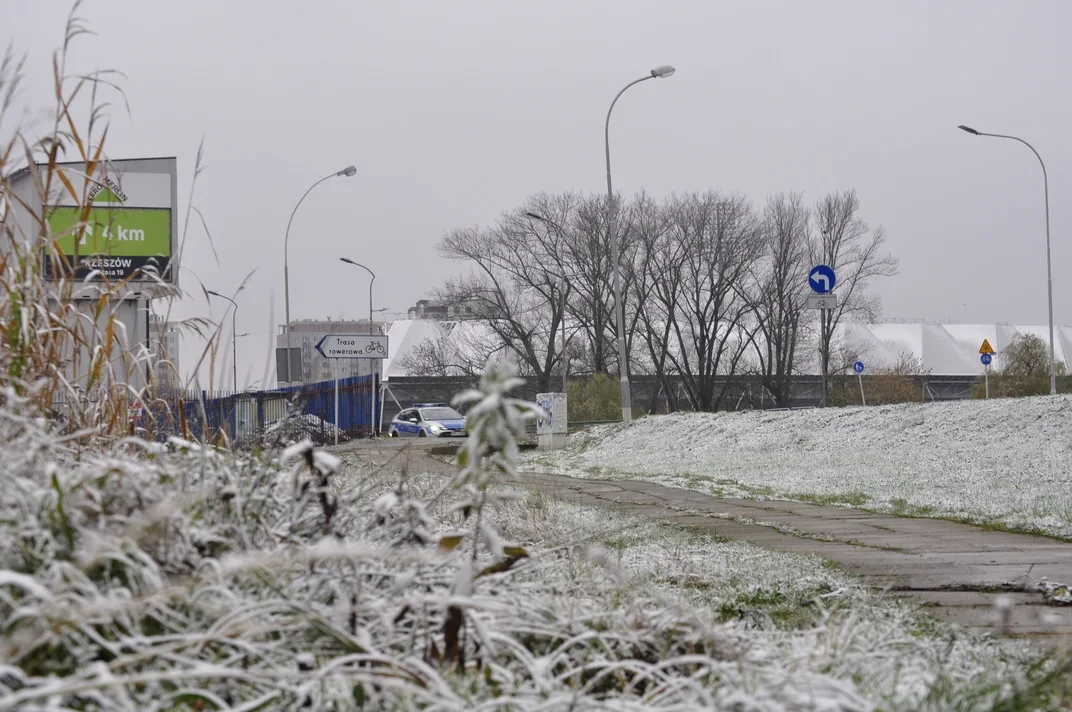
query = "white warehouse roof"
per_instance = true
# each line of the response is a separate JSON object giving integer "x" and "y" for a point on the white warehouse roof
{"x": 942, "y": 349}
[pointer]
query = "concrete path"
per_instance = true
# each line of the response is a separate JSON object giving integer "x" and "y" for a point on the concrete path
{"x": 956, "y": 569}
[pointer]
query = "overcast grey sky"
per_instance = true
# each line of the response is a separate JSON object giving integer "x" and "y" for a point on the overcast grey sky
{"x": 455, "y": 111}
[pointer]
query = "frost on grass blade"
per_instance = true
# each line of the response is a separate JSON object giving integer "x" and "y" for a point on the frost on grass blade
{"x": 298, "y": 449}
{"x": 26, "y": 583}
{"x": 326, "y": 461}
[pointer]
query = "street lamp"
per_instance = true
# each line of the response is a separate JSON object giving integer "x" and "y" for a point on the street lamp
{"x": 234, "y": 336}
{"x": 1049, "y": 274}
{"x": 623, "y": 369}
{"x": 561, "y": 232}
{"x": 347, "y": 260}
{"x": 348, "y": 172}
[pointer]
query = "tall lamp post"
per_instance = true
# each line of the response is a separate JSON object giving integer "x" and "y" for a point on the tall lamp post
{"x": 348, "y": 172}
{"x": 623, "y": 367}
{"x": 372, "y": 409}
{"x": 234, "y": 336}
{"x": 561, "y": 232}
{"x": 1049, "y": 274}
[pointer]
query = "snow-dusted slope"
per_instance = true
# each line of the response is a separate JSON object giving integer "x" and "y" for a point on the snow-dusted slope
{"x": 1008, "y": 461}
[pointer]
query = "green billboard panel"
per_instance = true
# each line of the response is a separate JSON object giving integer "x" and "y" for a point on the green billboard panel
{"x": 117, "y": 242}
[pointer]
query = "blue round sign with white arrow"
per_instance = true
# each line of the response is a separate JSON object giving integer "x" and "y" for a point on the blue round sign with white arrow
{"x": 986, "y": 359}
{"x": 858, "y": 367}
{"x": 822, "y": 279}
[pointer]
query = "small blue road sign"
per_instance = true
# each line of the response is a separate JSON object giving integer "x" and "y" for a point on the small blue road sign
{"x": 986, "y": 359}
{"x": 858, "y": 367}
{"x": 822, "y": 279}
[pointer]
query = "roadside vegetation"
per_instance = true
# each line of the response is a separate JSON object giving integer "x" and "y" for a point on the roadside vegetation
{"x": 183, "y": 575}
{"x": 594, "y": 398}
{"x": 66, "y": 351}
{"x": 900, "y": 384}
{"x": 1025, "y": 371}
{"x": 137, "y": 576}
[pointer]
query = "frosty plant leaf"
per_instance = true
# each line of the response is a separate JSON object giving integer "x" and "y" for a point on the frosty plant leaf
{"x": 450, "y": 542}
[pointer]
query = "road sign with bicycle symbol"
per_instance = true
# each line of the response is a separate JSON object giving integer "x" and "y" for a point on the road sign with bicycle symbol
{"x": 353, "y": 346}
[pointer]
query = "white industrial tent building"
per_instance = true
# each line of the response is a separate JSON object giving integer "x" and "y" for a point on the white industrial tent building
{"x": 940, "y": 349}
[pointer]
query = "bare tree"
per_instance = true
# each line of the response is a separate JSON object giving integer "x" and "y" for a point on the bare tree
{"x": 721, "y": 239}
{"x": 515, "y": 288}
{"x": 545, "y": 223}
{"x": 781, "y": 290}
{"x": 592, "y": 310}
{"x": 583, "y": 257}
{"x": 448, "y": 356}
{"x": 657, "y": 287}
{"x": 854, "y": 251}
{"x": 643, "y": 221}
{"x": 708, "y": 284}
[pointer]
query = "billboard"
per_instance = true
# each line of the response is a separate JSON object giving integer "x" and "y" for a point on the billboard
{"x": 125, "y": 232}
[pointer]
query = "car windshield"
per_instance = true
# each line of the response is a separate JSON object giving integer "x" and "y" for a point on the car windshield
{"x": 440, "y": 414}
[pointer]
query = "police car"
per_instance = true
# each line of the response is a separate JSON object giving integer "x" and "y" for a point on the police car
{"x": 428, "y": 420}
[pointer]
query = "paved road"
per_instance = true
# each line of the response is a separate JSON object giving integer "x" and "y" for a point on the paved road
{"x": 956, "y": 569}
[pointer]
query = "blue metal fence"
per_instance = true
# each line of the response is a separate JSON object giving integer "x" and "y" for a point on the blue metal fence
{"x": 358, "y": 400}
{"x": 247, "y": 414}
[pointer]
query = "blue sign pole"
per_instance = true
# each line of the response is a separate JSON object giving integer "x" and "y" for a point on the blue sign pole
{"x": 859, "y": 368}
{"x": 822, "y": 279}
{"x": 986, "y": 359}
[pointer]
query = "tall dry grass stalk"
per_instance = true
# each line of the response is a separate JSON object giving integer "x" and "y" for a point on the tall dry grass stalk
{"x": 65, "y": 352}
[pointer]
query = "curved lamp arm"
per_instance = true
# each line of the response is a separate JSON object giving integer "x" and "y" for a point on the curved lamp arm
{"x": 1049, "y": 271}
{"x": 348, "y": 261}
{"x": 348, "y": 171}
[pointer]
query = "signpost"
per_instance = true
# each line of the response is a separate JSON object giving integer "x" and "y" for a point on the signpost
{"x": 859, "y": 368}
{"x": 370, "y": 346}
{"x": 826, "y": 302}
{"x": 822, "y": 279}
{"x": 353, "y": 346}
{"x": 986, "y": 356}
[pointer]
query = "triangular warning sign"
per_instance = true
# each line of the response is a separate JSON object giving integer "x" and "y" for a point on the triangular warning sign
{"x": 986, "y": 348}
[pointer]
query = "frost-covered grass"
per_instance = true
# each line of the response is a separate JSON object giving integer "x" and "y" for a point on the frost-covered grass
{"x": 142, "y": 577}
{"x": 791, "y": 621}
{"x": 134, "y": 577}
{"x": 1005, "y": 463}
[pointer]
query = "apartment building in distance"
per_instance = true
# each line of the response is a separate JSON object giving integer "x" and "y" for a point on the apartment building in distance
{"x": 428, "y": 309}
